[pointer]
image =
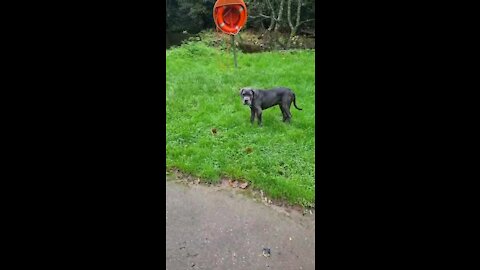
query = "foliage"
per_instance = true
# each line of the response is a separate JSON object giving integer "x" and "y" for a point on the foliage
{"x": 196, "y": 15}
{"x": 189, "y": 15}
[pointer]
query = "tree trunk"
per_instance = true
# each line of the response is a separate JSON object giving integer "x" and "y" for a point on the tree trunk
{"x": 279, "y": 18}
{"x": 272, "y": 16}
{"x": 272, "y": 21}
{"x": 289, "y": 11}
{"x": 299, "y": 6}
{"x": 293, "y": 28}
{"x": 289, "y": 19}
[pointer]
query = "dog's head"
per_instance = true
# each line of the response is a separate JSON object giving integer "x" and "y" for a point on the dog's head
{"x": 247, "y": 94}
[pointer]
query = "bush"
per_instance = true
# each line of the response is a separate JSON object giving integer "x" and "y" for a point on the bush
{"x": 191, "y": 49}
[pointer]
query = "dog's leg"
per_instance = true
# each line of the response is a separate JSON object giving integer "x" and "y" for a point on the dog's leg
{"x": 288, "y": 110}
{"x": 259, "y": 117}
{"x": 283, "y": 113}
{"x": 252, "y": 115}
{"x": 287, "y": 113}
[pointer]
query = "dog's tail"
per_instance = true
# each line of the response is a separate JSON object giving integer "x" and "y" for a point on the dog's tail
{"x": 294, "y": 103}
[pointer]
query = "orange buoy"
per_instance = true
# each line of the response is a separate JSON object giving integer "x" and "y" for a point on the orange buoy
{"x": 230, "y": 15}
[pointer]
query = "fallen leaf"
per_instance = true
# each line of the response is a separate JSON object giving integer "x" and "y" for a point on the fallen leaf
{"x": 225, "y": 183}
{"x": 244, "y": 185}
{"x": 235, "y": 184}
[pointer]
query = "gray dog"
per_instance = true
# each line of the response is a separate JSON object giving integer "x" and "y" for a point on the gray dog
{"x": 259, "y": 100}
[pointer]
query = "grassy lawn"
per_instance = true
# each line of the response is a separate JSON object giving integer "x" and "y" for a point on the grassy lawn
{"x": 203, "y": 93}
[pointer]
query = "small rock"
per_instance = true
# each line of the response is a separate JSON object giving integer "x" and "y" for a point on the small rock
{"x": 266, "y": 252}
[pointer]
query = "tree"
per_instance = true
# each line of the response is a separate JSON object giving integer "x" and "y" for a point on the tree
{"x": 279, "y": 20}
{"x": 190, "y": 15}
{"x": 294, "y": 27}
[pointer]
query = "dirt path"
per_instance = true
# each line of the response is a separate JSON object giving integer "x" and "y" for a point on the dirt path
{"x": 217, "y": 228}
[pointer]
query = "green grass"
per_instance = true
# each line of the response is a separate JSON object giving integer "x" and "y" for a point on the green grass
{"x": 203, "y": 93}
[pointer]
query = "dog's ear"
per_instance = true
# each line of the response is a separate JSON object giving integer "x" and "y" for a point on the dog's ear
{"x": 253, "y": 93}
{"x": 241, "y": 91}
